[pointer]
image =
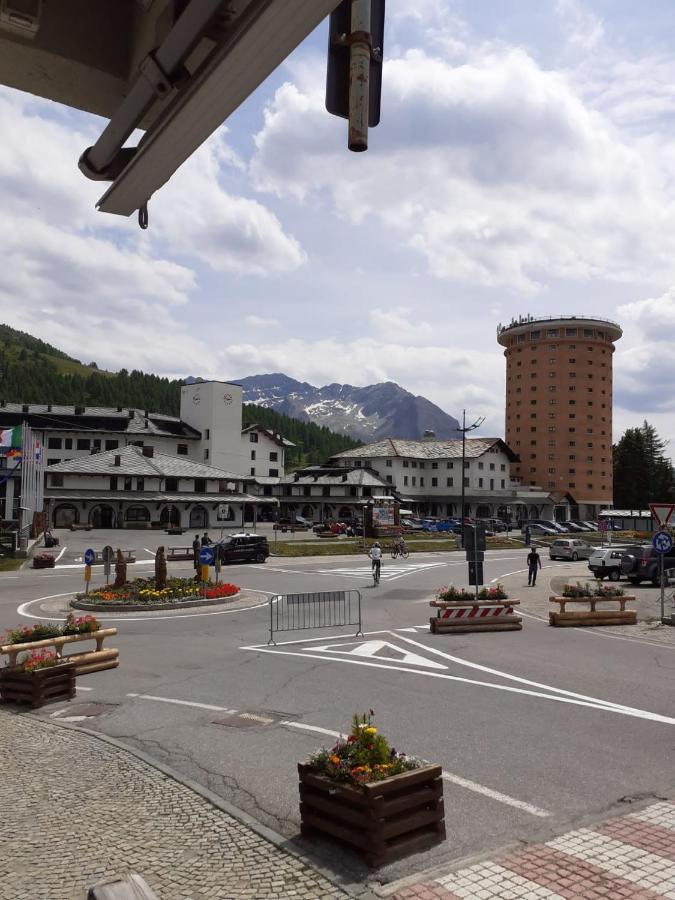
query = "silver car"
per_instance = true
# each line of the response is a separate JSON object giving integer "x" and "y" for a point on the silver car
{"x": 570, "y": 548}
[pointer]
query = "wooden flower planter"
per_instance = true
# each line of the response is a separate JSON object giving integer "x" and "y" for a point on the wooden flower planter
{"x": 44, "y": 561}
{"x": 39, "y": 687}
{"x": 385, "y": 820}
{"x": 592, "y": 615}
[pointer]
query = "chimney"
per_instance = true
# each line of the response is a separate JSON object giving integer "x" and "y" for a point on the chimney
{"x": 120, "y": 408}
{"x": 117, "y": 460}
{"x": 148, "y": 451}
{"x": 49, "y": 407}
{"x": 131, "y": 413}
{"x": 145, "y": 424}
{"x": 79, "y": 410}
{"x": 25, "y": 408}
{"x": 429, "y": 436}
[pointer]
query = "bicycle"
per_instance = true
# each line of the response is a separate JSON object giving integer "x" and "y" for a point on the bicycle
{"x": 376, "y": 572}
{"x": 400, "y": 549}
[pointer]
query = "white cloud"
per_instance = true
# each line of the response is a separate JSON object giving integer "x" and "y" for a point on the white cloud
{"x": 394, "y": 324}
{"x": 584, "y": 30}
{"x": 261, "y": 322}
{"x": 495, "y": 171}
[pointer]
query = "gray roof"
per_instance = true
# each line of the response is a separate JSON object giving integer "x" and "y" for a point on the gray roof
{"x": 272, "y": 435}
{"x": 133, "y": 462}
{"x": 105, "y": 496}
{"x": 425, "y": 449}
{"x": 121, "y": 420}
{"x": 364, "y": 477}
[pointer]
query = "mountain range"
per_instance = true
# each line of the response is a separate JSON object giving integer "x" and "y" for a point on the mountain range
{"x": 363, "y": 413}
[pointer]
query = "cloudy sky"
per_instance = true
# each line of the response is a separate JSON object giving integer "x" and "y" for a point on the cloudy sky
{"x": 525, "y": 164}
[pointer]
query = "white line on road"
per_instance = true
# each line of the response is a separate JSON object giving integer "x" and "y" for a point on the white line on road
{"x": 447, "y": 776}
{"x": 151, "y": 552}
{"x": 208, "y": 706}
{"x": 495, "y": 795}
{"x": 600, "y": 705}
{"x": 78, "y": 688}
{"x": 63, "y": 550}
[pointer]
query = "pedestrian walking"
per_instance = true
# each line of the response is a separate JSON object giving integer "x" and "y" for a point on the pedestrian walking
{"x": 196, "y": 547}
{"x": 533, "y": 565}
{"x": 206, "y": 540}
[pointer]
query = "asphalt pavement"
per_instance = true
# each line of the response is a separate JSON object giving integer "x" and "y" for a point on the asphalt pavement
{"x": 537, "y": 730}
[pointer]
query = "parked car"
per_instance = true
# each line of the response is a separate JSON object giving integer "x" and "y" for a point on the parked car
{"x": 592, "y": 525}
{"x": 239, "y": 548}
{"x": 297, "y": 523}
{"x": 536, "y": 528}
{"x": 575, "y": 527}
{"x": 411, "y": 524}
{"x": 554, "y": 527}
{"x": 606, "y": 562}
{"x": 582, "y": 526}
{"x": 641, "y": 563}
{"x": 570, "y": 548}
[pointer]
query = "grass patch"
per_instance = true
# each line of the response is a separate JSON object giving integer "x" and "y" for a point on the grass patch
{"x": 355, "y": 547}
{"x": 8, "y": 564}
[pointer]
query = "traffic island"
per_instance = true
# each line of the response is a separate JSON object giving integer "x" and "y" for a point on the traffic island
{"x": 146, "y": 594}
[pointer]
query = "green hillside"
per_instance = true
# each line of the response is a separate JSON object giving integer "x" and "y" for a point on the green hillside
{"x": 32, "y": 371}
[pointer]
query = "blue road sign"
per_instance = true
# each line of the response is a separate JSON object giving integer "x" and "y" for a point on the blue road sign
{"x": 662, "y": 542}
{"x": 206, "y": 556}
{"x": 89, "y": 557}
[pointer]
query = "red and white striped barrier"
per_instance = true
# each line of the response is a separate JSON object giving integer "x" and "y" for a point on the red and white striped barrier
{"x": 482, "y": 615}
{"x": 476, "y": 612}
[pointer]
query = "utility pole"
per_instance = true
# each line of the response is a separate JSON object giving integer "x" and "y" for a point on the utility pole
{"x": 464, "y": 430}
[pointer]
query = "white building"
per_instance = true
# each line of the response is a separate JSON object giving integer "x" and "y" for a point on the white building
{"x": 135, "y": 487}
{"x": 325, "y": 493}
{"x": 263, "y": 453}
{"x": 427, "y": 476}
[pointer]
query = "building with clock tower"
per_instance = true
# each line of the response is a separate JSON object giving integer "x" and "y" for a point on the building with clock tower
{"x": 214, "y": 409}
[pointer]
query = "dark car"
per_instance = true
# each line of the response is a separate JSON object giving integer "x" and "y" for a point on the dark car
{"x": 240, "y": 548}
{"x": 641, "y": 563}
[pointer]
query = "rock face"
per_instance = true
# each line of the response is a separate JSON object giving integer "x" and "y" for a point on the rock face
{"x": 364, "y": 413}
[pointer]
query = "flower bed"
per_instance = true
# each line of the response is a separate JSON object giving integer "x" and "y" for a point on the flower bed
{"x": 452, "y": 593}
{"x": 44, "y": 561}
{"x": 586, "y": 590}
{"x": 142, "y": 592}
{"x": 25, "y": 634}
{"x": 363, "y": 792}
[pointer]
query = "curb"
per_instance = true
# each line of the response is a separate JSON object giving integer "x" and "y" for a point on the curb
{"x": 273, "y": 837}
{"x": 152, "y": 607}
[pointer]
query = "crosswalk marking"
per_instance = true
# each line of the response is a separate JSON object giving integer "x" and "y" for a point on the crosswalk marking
{"x": 387, "y": 572}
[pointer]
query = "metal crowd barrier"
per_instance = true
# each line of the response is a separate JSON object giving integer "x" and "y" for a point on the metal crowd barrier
{"x": 319, "y": 609}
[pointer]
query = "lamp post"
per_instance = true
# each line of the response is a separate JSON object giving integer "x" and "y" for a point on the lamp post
{"x": 464, "y": 430}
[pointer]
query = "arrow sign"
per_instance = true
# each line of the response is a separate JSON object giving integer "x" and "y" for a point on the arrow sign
{"x": 206, "y": 556}
{"x": 381, "y": 650}
{"x": 89, "y": 557}
{"x": 662, "y": 542}
{"x": 662, "y": 512}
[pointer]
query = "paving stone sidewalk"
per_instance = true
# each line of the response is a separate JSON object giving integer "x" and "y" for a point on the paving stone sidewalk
{"x": 76, "y": 810}
{"x": 627, "y": 858}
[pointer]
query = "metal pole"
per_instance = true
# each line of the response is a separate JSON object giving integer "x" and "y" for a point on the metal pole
{"x": 475, "y": 556}
{"x": 359, "y": 76}
{"x": 462, "y": 475}
{"x": 663, "y": 587}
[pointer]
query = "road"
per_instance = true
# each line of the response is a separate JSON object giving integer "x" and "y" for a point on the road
{"x": 536, "y": 730}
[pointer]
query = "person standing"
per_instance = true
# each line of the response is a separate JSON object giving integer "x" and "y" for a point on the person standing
{"x": 196, "y": 547}
{"x": 533, "y": 565}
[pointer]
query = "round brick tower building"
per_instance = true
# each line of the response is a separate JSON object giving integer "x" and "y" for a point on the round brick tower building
{"x": 559, "y": 407}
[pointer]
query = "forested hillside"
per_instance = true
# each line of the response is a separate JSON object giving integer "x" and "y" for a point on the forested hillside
{"x": 32, "y": 371}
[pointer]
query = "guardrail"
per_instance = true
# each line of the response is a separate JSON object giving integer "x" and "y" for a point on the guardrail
{"x": 318, "y": 609}
{"x": 85, "y": 662}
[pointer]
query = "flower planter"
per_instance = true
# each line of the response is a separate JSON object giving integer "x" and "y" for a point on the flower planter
{"x": 44, "y": 561}
{"x": 385, "y": 819}
{"x": 39, "y": 687}
{"x": 592, "y": 615}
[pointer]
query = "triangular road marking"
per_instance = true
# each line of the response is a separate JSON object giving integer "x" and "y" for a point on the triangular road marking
{"x": 381, "y": 650}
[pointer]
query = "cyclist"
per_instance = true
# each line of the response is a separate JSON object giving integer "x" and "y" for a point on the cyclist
{"x": 399, "y": 548}
{"x": 375, "y": 555}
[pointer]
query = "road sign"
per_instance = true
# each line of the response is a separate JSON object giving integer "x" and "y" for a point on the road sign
{"x": 89, "y": 557}
{"x": 107, "y": 554}
{"x": 476, "y": 573}
{"x": 662, "y": 512}
{"x": 603, "y": 525}
{"x": 206, "y": 556}
{"x": 662, "y": 542}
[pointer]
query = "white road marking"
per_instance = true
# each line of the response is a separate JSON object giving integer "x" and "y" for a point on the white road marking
{"x": 600, "y": 705}
{"x": 79, "y": 688}
{"x": 153, "y": 554}
{"x": 447, "y": 776}
{"x": 373, "y": 648}
{"x": 313, "y": 728}
{"x": 500, "y": 674}
{"x": 495, "y": 795}
{"x": 208, "y": 706}
{"x": 63, "y": 550}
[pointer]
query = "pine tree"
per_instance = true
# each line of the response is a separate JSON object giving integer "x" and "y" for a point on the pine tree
{"x": 642, "y": 475}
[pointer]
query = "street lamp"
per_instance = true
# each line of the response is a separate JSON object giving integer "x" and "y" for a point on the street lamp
{"x": 464, "y": 430}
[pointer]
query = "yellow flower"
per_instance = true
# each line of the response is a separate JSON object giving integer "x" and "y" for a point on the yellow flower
{"x": 371, "y": 730}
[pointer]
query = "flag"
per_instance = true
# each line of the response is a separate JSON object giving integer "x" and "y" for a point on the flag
{"x": 10, "y": 437}
{"x": 10, "y": 442}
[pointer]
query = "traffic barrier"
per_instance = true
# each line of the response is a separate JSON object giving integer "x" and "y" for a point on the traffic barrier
{"x": 85, "y": 662}
{"x": 319, "y": 609}
{"x": 174, "y": 553}
{"x": 462, "y": 616}
{"x": 592, "y": 616}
